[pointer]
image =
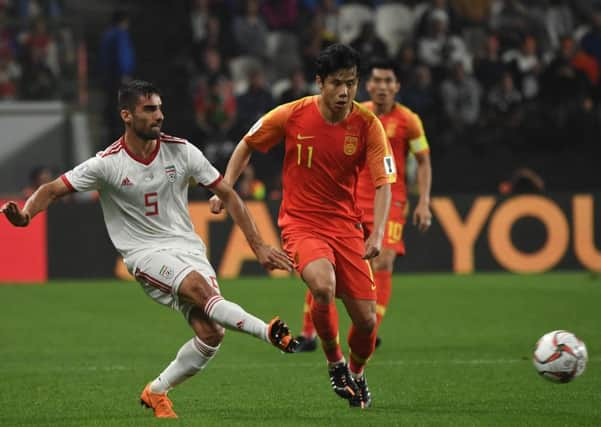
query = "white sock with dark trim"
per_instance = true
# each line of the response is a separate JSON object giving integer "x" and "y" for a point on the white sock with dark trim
{"x": 192, "y": 357}
{"x": 232, "y": 316}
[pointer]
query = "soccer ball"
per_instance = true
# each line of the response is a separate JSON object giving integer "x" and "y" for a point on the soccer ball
{"x": 560, "y": 356}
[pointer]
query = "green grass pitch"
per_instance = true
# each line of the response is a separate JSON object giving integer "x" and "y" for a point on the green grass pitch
{"x": 456, "y": 351}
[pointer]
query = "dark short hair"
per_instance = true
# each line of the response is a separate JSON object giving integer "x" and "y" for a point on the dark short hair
{"x": 130, "y": 93}
{"x": 383, "y": 64}
{"x": 336, "y": 57}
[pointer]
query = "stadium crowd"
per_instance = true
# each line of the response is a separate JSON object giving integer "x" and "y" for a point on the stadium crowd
{"x": 37, "y": 51}
{"x": 480, "y": 73}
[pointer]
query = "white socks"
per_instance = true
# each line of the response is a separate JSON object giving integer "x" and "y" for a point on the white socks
{"x": 232, "y": 316}
{"x": 192, "y": 357}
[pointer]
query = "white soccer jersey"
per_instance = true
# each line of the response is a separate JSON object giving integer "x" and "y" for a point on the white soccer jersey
{"x": 145, "y": 202}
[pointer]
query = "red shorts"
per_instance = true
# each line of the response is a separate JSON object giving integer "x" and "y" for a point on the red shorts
{"x": 393, "y": 235}
{"x": 353, "y": 273}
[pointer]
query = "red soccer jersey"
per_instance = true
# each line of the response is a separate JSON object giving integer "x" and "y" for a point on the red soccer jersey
{"x": 406, "y": 133}
{"x": 322, "y": 162}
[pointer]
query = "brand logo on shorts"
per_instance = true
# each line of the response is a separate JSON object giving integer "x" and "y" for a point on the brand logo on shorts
{"x": 350, "y": 144}
{"x": 166, "y": 272}
{"x": 171, "y": 173}
{"x": 240, "y": 324}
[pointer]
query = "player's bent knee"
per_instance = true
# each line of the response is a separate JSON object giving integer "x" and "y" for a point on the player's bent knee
{"x": 323, "y": 291}
{"x": 214, "y": 337}
{"x": 367, "y": 325}
{"x": 195, "y": 289}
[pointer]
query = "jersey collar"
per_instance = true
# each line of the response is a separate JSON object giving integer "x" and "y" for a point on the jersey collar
{"x": 137, "y": 158}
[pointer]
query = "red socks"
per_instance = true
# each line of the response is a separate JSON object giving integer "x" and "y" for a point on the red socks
{"x": 362, "y": 346}
{"x": 325, "y": 319}
{"x": 308, "y": 330}
{"x": 383, "y": 281}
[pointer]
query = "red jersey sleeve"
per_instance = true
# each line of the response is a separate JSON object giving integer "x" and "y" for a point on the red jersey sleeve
{"x": 380, "y": 160}
{"x": 269, "y": 130}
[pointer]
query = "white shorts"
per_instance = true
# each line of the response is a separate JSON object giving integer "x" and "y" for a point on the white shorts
{"x": 161, "y": 273}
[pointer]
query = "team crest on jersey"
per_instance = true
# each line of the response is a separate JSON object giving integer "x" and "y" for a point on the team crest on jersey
{"x": 171, "y": 173}
{"x": 166, "y": 272}
{"x": 350, "y": 144}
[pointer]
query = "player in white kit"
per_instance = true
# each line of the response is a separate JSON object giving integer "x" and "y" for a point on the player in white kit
{"x": 143, "y": 181}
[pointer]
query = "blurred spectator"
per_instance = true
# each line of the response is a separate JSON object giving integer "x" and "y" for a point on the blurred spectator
{"x": 298, "y": 88}
{"x": 513, "y": 22}
{"x": 117, "y": 64}
{"x": 580, "y": 60}
{"x": 591, "y": 41}
{"x": 32, "y": 9}
{"x": 421, "y": 95}
{"x": 439, "y": 49}
{"x": 368, "y": 44}
{"x": 10, "y": 72}
{"x": 504, "y": 98}
{"x": 199, "y": 20}
{"x": 37, "y": 176}
{"x": 314, "y": 39}
{"x": 566, "y": 96}
{"x": 329, "y": 10}
{"x": 280, "y": 14}
{"x": 255, "y": 102}
{"x": 461, "y": 102}
{"x": 559, "y": 21}
{"x": 472, "y": 12}
{"x": 219, "y": 38}
{"x": 252, "y": 104}
{"x": 406, "y": 61}
{"x": 39, "y": 43}
{"x": 503, "y": 114}
{"x": 250, "y": 31}
{"x": 526, "y": 66}
{"x": 488, "y": 67}
{"x": 37, "y": 81}
{"x": 211, "y": 66}
{"x": 430, "y": 10}
{"x": 215, "y": 107}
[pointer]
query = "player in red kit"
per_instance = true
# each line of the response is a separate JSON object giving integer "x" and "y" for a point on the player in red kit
{"x": 406, "y": 134}
{"x": 328, "y": 139}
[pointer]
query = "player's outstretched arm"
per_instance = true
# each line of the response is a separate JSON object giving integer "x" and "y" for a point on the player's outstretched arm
{"x": 268, "y": 256}
{"x": 422, "y": 217}
{"x": 39, "y": 201}
{"x": 235, "y": 166}
{"x": 373, "y": 244}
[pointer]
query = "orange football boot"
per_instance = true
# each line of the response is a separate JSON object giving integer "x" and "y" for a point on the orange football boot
{"x": 159, "y": 403}
{"x": 279, "y": 335}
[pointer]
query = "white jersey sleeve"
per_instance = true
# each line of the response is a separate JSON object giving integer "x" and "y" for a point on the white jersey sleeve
{"x": 87, "y": 176}
{"x": 201, "y": 170}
